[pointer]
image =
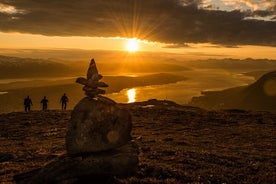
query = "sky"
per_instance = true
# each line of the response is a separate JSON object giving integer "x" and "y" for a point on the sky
{"x": 234, "y": 28}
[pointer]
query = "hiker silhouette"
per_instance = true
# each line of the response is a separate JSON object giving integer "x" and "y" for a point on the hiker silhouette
{"x": 44, "y": 102}
{"x": 27, "y": 104}
{"x": 63, "y": 100}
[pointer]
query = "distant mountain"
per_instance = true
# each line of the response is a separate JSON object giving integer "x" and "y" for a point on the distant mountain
{"x": 260, "y": 95}
{"x": 237, "y": 65}
{"x": 15, "y": 67}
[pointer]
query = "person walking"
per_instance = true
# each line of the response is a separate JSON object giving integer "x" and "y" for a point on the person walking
{"x": 27, "y": 104}
{"x": 44, "y": 102}
{"x": 64, "y": 100}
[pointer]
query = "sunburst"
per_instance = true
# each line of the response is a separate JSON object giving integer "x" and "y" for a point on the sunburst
{"x": 132, "y": 45}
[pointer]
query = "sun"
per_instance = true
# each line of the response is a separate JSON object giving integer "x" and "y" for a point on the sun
{"x": 132, "y": 45}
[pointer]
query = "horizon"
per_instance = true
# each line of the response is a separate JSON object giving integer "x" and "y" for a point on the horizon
{"x": 74, "y": 54}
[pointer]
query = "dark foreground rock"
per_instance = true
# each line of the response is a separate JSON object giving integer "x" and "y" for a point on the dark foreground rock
{"x": 116, "y": 162}
{"x": 97, "y": 126}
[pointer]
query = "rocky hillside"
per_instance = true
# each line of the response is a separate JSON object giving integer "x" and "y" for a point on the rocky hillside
{"x": 178, "y": 144}
{"x": 260, "y": 95}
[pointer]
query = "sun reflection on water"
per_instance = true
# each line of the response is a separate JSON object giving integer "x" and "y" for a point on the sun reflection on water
{"x": 131, "y": 94}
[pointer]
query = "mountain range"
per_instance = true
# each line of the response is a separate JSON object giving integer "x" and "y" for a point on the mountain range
{"x": 15, "y": 67}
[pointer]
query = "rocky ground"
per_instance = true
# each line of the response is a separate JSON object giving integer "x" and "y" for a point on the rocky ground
{"x": 178, "y": 144}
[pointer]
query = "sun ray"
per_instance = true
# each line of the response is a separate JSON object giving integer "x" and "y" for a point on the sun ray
{"x": 130, "y": 21}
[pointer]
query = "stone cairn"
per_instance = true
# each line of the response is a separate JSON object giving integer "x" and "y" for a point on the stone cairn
{"x": 91, "y": 83}
{"x": 98, "y": 139}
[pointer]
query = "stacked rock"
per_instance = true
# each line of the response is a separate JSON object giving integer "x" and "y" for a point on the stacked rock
{"x": 100, "y": 130}
{"x": 91, "y": 83}
{"x": 98, "y": 139}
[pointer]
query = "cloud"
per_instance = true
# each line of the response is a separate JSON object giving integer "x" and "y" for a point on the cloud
{"x": 243, "y": 5}
{"x": 7, "y": 9}
{"x": 167, "y": 21}
{"x": 175, "y": 46}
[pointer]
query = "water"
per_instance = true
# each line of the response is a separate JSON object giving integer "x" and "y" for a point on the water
{"x": 180, "y": 92}
{"x": 183, "y": 91}
{"x": 9, "y": 81}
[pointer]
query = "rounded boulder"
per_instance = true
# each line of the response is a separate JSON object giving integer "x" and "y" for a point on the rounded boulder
{"x": 97, "y": 126}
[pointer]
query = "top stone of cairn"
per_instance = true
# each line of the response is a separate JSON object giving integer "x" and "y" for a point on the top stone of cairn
{"x": 92, "y": 83}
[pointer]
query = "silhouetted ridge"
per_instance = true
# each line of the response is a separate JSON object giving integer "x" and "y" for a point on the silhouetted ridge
{"x": 261, "y": 95}
{"x": 264, "y": 79}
